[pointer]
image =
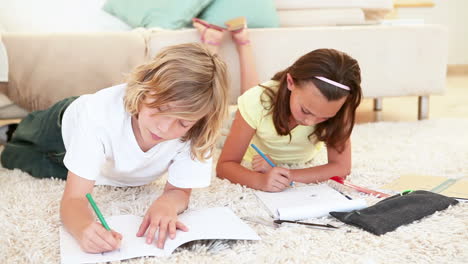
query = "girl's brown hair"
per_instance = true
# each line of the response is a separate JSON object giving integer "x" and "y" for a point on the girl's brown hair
{"x": 334, "y": 65}
{"x": 194, "y": 79}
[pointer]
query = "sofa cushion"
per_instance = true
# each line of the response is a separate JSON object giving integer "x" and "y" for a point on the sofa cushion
{"x": 166, "y": 14}
{"x": 57, "y": 16}
{"x": 9, "y": 110}
{"x": 259, "y": 13}
{"x": 402, "y": 60}
{"x": 321, "y": 17}
{"x": 45, "y": 68}
{"x": 321, "y": 4}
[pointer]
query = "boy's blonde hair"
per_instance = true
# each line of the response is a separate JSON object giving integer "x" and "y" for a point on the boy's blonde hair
{"x": 193, "y": 78}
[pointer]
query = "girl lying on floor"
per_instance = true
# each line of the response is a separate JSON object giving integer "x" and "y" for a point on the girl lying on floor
{"x": 291, "y": 117}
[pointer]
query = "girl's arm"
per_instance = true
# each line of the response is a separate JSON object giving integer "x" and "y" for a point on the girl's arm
{"x": 78, "y": 218}
{"x": 162, "y": 215}
{"x": 229, "y": 166}
{"x": 339, "y": 164}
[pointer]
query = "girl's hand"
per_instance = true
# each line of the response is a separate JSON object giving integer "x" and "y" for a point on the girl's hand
{"x": 96, "y": 239}
{"x": 276, "y": 180}
{"x": 259, "y": 164}
{"x": 163, "y": 218}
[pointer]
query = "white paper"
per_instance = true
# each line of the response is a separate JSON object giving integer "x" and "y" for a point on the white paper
{"x": 210, "y": 223}
{"x": 307, "y": 202}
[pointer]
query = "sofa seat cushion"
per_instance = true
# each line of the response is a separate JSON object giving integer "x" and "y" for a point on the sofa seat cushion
{"x": 315, "y": 4}
{"x": 400, "y": 60}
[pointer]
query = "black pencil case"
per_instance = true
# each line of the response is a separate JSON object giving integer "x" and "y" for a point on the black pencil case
{"x": 392, "y": 212}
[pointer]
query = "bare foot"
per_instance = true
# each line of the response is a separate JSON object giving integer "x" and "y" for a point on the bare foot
{"x": 210, "y": 35}
{"x": 241, "y": 37}
{"x": 239, "y": 33}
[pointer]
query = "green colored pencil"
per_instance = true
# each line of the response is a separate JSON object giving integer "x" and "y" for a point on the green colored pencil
{"x": 97, "y": 211}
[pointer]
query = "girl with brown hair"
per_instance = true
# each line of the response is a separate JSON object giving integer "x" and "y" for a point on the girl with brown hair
{"x": 290, "y": 118}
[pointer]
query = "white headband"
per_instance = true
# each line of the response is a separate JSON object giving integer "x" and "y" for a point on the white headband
{"x": 337, "y": 84}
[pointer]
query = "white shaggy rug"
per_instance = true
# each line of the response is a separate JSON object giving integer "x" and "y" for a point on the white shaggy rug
{"x": 29, "y": 215}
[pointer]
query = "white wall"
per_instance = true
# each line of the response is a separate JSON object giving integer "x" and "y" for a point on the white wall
{"x": 453, "y": 15}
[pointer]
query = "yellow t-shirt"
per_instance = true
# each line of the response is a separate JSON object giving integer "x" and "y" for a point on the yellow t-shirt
{"x": 299, "y": 150}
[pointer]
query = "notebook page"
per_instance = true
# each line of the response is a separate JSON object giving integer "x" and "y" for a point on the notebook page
{"x": 319, "y": 210}
{"x": 132, "y": 246}
{"x": 210, "y": 223}
{"x": 307, "y": 202}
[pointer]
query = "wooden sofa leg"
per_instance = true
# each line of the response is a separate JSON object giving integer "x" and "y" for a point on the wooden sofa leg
{"x": 377, "y": 104}
{"x": 423, "y": 107}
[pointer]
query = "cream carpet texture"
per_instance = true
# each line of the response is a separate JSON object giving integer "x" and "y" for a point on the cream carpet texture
{"x": 29, "y": 208}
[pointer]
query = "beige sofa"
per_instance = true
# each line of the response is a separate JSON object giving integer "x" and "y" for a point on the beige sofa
{"x": 400, "y": 60}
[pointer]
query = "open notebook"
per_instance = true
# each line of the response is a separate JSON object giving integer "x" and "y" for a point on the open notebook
{"x": 210, "y": 223}
{"x": 312, "y": 201}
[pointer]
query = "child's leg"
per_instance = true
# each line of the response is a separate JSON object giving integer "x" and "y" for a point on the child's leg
{"x": 213, "y": 35}
{"x": 27, "y": 158}
{"x": 248, "y": 68}
{"x": 210, "y": 35}
{"x": 37, "y": 145}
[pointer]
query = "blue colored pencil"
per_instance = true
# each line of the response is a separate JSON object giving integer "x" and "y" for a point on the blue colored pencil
{"x": 263, "y": 155}
{"x": 266, "y": 158}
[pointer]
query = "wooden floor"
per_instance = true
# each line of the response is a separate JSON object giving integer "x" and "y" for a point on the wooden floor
{"x": 454, "y": 103}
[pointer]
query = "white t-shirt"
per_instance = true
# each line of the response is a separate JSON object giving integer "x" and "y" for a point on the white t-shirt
{"x": 100, "y": 146}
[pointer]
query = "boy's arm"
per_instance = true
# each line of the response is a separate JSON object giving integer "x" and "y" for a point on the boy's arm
{"x": 162, "y": 215}
{"x": 178, "y": 198}
{"x": 339, "y": 164}
{"x": 74, "y": 210}
{"x": 78, "y": 218}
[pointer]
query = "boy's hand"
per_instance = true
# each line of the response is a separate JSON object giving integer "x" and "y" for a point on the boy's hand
{"x": 259, "y": 164}
{"x": 276, "y": 180}
{"x": 162, "y": 218}
{"x": 96, "y": 239}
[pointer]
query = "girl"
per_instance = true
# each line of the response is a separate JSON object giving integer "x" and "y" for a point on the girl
{"x": 166, "y": 117}
{"x": 290, "y": 117}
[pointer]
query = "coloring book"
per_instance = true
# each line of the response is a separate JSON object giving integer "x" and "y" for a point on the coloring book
{"x": 210, "y": 223}
{"x": 312, "y": 201}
